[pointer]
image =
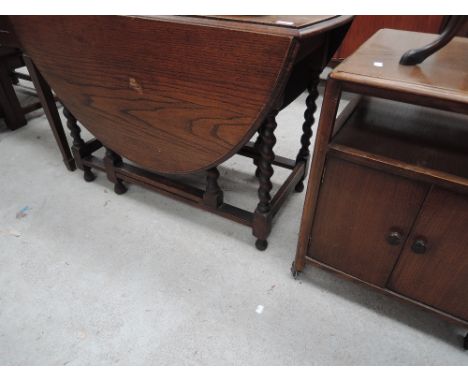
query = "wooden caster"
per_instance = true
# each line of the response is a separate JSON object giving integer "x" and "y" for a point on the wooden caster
{"x": 261, "y": 244}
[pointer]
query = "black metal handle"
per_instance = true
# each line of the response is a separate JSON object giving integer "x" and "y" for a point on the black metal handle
{"x": 419, "y": 246}
{"x": 394, "y": 238}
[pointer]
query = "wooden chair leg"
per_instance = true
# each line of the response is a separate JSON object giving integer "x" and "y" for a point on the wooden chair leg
{"x": 50, "y": 108}
{"x": 213, "y": 195}
{"x": 262, "y": 216}
{"x": 112, "y": 160}
{"x": 78, "y": 144}
{"x": 9, "y": 103}
{"x": 311, "y": 108}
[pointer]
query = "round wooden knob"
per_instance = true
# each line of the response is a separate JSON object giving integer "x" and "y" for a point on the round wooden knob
{"x": 394, "y": 238}
{"x": 419, "y": 246}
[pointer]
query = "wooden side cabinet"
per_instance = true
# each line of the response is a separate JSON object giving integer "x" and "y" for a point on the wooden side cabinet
{"x": 394, "y": 233}
{"x": 387, "y": 195}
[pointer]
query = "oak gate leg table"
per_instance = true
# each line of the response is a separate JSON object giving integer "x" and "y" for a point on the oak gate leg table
{"x": 172, "y": 95}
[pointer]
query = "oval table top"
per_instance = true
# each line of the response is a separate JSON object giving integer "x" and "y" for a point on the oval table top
{"x": 171, "y": 94}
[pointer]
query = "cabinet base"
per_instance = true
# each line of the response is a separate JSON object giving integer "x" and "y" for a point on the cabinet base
{"x": 388, "y": 292}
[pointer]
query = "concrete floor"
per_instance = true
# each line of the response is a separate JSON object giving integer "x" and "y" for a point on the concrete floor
{"x": 91, "y": 278}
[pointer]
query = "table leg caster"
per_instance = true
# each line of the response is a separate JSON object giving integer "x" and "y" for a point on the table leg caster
{"x": 465, "y": 342}
{"x": 119, "y": 187}
{"x": 88, "y": 175}
{"x": 294, "y": 272}
{"x": 299, "y": 187}
{"x": 261, "y": 244}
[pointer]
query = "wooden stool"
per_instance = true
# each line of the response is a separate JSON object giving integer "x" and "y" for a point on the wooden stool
{"x": 387, "y": 197}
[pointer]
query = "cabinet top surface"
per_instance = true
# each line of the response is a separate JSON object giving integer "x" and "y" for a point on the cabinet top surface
{"x": 376, "y": 64}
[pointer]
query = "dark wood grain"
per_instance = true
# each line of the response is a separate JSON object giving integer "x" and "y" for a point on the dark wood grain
{"x": 328, "y": 113}
{"x": 280, "y": 21}
{"x": 442, "y": 76}
{"x": 357, "y": 210}
{"x": 177, "y": 95}
{"x": 387, "y": 198}
{"x": 153, "y": 90}
{"x": 438, "y": 277}
{"x": 412, "y": 135}
{"x": 48, "y": 102}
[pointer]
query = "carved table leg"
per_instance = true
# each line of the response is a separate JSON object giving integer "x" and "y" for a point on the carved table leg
{"x": 311, "y": 107}
{"x": 262, "y": 216}
{"x": 257, "y": 144}
{"x": 78, "y": 144}
{"x": 213, "y": 195}
{"x": 112, "y": 160}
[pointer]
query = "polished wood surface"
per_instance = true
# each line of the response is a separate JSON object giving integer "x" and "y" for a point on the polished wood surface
{"x": 157, "y": 91}
{"x": 444, "y": 75}
{"x": 358, "y": 210}
{"x": 307, "y": 26}
{"x": 417, "y": 137}
{"x": 284, "y": 21}
{"x": 178, "y": 95}
{"x": 439, "y": 276}
{"x": 401, "y": 153}
{"x": 155, "y": 88}
{"x": 12, "y": 111}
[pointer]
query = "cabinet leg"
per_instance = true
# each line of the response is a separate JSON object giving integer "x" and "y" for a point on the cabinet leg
{"x": 262, "y": 215}
{"x": 465, "y": 342}
{"x": 294, "y": 271}
{"x": 311, "y": 107}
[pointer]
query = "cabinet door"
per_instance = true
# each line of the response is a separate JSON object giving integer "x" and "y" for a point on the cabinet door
{"x": 358, "y": 209}
{"x": 433, "y": 267}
